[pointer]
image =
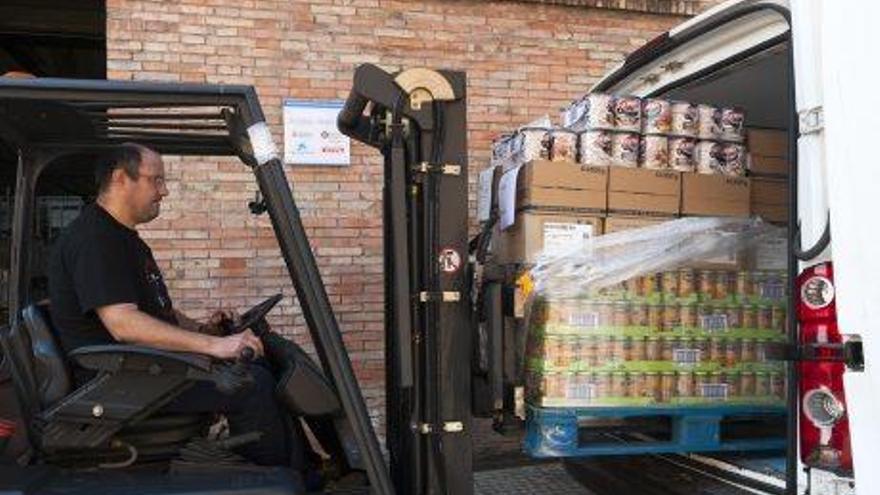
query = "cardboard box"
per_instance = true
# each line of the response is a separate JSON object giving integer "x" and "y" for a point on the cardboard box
{"x": 642, "y": 191}
{"x": 622, "y": 223}
{"x": 770, "y": 191}
{"x": 715, "y": 195}
{"x": 535, "y": 230}
{"x": 769, "y": 199}
{"x": 768, "y": 143}
{"x": 768, "y": 165}
{"x": 564, "y": 185}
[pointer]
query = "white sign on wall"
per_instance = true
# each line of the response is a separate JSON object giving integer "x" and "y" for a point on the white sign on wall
{"x": 311, "y": 136}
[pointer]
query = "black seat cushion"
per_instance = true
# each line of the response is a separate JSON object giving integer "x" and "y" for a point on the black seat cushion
{"x": 50, "y": 365}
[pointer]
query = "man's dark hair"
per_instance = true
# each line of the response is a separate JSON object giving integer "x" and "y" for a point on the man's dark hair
{"x": 127, "y": 156}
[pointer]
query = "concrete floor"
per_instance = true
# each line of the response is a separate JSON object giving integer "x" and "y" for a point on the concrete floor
{"x": 548, "y": 478}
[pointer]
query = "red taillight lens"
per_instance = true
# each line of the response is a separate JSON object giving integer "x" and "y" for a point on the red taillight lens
{"x": 824, "y": 428}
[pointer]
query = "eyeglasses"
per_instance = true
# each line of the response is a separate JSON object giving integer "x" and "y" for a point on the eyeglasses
{"x": 158, "y": 180}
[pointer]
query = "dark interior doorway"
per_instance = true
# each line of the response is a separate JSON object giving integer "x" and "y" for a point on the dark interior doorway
{"x": 43, "y": 38}
{"x": 54, "y": 38}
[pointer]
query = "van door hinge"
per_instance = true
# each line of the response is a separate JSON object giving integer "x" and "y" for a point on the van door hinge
{"x": 448, "y": 296}
{"x": 437, "y": 168}
{"x": 811, "y": 120}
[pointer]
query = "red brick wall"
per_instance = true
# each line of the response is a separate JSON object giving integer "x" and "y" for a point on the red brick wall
{"x": 523, "y": 60}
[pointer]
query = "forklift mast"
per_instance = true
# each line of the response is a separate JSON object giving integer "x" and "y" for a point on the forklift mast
{"x": 416, "y": 118}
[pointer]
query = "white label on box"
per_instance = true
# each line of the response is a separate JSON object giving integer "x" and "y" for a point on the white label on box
{"x": 713, "y": 322}
{"x": 686, "y": 356}
{"x": 563, "y": 237}
{"x": 507, "y": 197}
{"x": 484, "y": 194}
{"x": 584, "y": 320}
{"x": 772, "y": 254}
{"x": 580, "y": 390}
{"x": 713, "y": 390}
{"x": 773, "y": 290}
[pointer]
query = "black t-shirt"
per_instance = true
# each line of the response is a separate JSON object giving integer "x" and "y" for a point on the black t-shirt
{"x": 97, "y": 262}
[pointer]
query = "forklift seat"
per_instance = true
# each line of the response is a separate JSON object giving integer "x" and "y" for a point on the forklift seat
{"x": 102, "y": 415}
{"x": 50, "y": 364}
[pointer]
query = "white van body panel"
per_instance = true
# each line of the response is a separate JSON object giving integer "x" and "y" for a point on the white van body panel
{"x": 849, "y": 82}
{"x": 726, "y": 41}
{"x": 812, "y": 179}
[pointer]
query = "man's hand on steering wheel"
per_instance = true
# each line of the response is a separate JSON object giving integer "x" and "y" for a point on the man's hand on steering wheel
{"x": 219, "y": 323}
{"x": 239, "y": 333}
{"x": 232, "y": 346}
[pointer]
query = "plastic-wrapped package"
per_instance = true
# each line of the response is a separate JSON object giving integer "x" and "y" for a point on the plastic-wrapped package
{"x": 531, "y": 144}
{"x": 501, "y": 149}
{"x": 625, "y": 149}
{"x": 528, "y": 143}
{"x": 647, "y": 318}
{"x": 596, "y": 147}
{"x": 562, "y": 145}
{"x": 593, "y": 111}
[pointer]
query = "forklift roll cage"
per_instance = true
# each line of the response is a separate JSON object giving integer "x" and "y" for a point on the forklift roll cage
{"x": 44, "y": 120}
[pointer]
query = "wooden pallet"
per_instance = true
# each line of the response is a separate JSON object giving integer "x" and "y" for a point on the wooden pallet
{"x": 590, "y": 431}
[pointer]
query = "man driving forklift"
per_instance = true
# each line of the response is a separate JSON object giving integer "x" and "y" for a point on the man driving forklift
{"x": 106, "y": 287}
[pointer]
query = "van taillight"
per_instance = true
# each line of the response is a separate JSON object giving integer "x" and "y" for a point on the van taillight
{"x": 824, "y": 427}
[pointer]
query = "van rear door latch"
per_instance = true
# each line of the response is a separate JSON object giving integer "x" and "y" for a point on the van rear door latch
{"x": 849, "y": 353}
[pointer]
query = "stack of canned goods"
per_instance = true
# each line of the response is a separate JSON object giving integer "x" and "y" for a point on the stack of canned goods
{"x": 687, "y": 335}
{"x": 658, "y": 134}
{"x": 707, "y": 139}
{"x": 608, "y": 129}
{"x": 586, "y": 388}
{"x": 525, "y": 145}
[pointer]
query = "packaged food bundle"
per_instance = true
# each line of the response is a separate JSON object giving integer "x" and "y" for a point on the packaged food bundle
{"x": 685, "y": 118}
{"x": 709, "y": 122}
{"x": 681, "y": 154}
{"x": 628, "y": 113}
{"x": 654, "y": 152}
{"x": 732, "y": 124}
{"x": 595, "y": 147}
{"x": 530, "y": 143}
{"x": 656, "y": 116}
{"x": 593, "y": 111}
{"x": 625, "y": 149}
{"x": 561, "y": 145}
{"x": 636, "y": 319}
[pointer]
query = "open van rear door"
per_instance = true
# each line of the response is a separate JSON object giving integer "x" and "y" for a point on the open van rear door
{"x": 852, "y": 128}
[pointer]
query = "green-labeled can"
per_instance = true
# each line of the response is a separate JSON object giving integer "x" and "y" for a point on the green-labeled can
{"x": 653, "y": 348}
{"x": 685, "y": 384}
{"x": 686, "y": 282}
{"x": 669, "y": 283}
{"x": 652, "y": 386}
{"x": 618, "y": 384}
{"x": 689, "y": 315}
{"x": 747, "y": 384}
{"x": 655, "y": 317}
{"x": 777, "y": 318}
{"x": 765, "y": 317}
{"x": 750, "y": 316}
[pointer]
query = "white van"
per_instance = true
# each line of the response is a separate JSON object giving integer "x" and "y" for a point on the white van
{"x": 806, "y": 67}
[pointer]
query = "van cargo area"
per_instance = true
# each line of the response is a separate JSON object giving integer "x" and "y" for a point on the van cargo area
{"x": 758, "y": 81}
{"x": 762, "y": 85}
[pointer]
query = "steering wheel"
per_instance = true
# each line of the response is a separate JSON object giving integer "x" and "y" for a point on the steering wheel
{"x": 254, "y": 316}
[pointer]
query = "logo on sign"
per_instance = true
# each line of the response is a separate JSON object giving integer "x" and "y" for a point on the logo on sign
{"x": 450, "y": 261}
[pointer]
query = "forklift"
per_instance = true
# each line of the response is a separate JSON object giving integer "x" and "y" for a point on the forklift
{"x": 98, "y": 437}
